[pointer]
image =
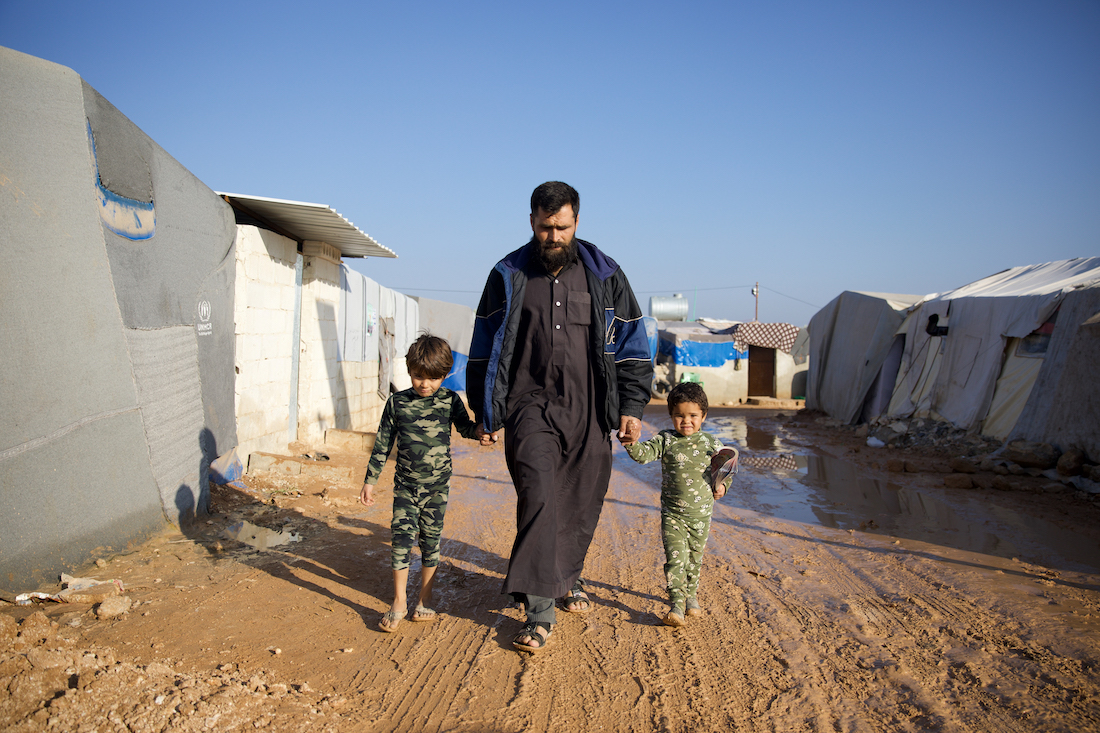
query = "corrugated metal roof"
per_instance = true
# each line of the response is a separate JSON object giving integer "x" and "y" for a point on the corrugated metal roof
{"x": 303, "y": 221}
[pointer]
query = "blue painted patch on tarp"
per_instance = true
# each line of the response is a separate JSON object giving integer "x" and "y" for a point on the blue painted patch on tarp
{"x": 456, "y": 378}
{"x": 227, "y": 469}
{"x": 702, "y": 353}
{"x": 124, "y": 216}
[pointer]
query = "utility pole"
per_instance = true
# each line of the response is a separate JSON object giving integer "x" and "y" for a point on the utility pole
{"x": 756, "y": 294}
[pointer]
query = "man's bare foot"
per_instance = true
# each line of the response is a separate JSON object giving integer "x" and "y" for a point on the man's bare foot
{"x": 534, "y": 637}
{"x": 576, "y": 600}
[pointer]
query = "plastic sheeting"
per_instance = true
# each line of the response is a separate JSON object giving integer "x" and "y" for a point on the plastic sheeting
{"x": 955, "y": 375}
{"x": 850, "y": 339}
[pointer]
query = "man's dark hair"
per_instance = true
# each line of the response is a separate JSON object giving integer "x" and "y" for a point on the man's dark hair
{"x": 687, "y": 392}
{"x": 429, "y": 357}
{"x": 553, "y": 195}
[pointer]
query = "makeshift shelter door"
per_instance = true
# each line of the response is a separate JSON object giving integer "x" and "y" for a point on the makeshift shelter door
{"x": 761, "y": 371}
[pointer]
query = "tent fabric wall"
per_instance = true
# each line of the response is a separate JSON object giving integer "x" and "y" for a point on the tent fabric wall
{"x": 455, "y": 324}
{"x": 1064, "y": 401}
{"x": 920, "y": 363}
{"x": 142, "y": 327}
{"x": 954, "y": 376}
{"x": 1011, "y": 392}
{"x": 850, "y": 339}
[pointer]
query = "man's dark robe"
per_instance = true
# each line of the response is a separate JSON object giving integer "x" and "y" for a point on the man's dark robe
{"x": 557, "y": 453}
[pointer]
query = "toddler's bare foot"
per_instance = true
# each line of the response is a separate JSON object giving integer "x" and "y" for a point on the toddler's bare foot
{"x": 673, "y": 619}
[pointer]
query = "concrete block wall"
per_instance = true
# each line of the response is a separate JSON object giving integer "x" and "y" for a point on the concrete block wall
{"x": 724, "y": 385}
{"x": 264, "y": 315}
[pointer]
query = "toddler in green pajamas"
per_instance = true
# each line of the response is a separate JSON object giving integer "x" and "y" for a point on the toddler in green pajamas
{"x": 687, "y": 497}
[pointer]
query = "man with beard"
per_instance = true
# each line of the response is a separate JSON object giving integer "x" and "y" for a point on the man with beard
{"x": 559, "y": 360}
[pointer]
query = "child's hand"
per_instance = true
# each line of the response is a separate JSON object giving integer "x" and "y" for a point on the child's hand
{"x": 366, "y": 497}
{"x": 630, "y": 429}
{"x": 719, "y": 491}
{"x": 486, "y": 438}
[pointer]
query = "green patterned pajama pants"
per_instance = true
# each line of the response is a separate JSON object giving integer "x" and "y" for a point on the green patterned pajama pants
{"x": 417, "y": 509}
{"x": 685, "y": 538}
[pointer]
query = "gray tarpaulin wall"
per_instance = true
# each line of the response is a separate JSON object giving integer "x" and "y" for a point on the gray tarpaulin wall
{"x": 961, "y": 374}
{"x": 117, "y": 295}
{"x": 455, "y": 323}
{"x": 1064, "y": 405}
{"x": 850, "y": 339}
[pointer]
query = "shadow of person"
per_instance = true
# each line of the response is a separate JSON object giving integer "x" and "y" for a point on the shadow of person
{"x": 345, "y": 558}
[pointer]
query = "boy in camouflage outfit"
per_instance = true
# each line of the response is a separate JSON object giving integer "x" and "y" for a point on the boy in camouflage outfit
{"x": 419, "y": 420}
{"x": 687, "y": 497}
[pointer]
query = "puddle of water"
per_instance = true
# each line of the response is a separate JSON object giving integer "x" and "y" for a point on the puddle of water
{"x": 833, "y": 493}
{"x": 829, "y": 492}
{"x": 734, "y": 429}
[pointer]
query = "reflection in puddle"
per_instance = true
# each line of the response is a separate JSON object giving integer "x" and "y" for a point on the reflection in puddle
{"x": 833, "y": 493}
{"x": 734, "y": 429}
{"x": 829, "y": 492}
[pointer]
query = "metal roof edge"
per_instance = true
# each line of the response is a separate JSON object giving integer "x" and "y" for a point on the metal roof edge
{"x": 303, "y": 220}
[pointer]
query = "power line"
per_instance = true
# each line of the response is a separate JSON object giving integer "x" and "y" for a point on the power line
{"x": 791, "y": 297}
{"x": 637, "y": 292}
{"x": 434, "y": 290}
{"x": 692, "y": 289}
{"x": 727, "y": 287}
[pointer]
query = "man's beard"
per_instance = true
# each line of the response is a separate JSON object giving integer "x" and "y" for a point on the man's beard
{"x": 555, "y": 259}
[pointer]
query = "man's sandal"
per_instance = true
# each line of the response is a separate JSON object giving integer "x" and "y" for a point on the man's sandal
{"x": 536, "y": 639}
{"x": 576, "y": 595}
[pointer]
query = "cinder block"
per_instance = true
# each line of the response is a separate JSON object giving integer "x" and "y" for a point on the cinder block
{"x": 274, "y": 464}
{"x": 351, "y": 441}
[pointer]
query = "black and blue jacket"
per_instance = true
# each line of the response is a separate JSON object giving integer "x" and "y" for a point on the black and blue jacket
{"x": 620, "y": 347}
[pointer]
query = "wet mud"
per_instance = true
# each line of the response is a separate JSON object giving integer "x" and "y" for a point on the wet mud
{"x": 836, "y": 597}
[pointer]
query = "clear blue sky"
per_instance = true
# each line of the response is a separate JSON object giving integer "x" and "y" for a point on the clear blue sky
{"x": 814, "y": 147}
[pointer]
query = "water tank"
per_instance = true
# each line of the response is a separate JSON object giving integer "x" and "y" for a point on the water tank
{"x": 669, "y": 309}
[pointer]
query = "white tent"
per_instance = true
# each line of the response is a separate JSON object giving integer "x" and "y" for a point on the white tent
{"x": 971, "y": 355}
{"x": 850, "y": 342}
{"x": 1064, "y": 406}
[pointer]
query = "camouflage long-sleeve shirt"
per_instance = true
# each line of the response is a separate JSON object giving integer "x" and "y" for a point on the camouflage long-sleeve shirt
{"x": 685, "y": 469}
{"x": 421, "y": 427}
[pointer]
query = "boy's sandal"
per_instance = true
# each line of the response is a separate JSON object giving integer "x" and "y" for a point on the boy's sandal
{"x": 390, "y": 621}
{"x": 693, "y": 608}
{"x": 576, "y": 595}
{"x": 423, "y": 613}
{"x": 536, "y": 640}
{"x": 673, "y": 619}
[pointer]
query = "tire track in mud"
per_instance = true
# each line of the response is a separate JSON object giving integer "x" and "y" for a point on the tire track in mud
{"x": 700, "y": 677}
{"x": 805, "y": 628}
{"x": 913, "y": 644}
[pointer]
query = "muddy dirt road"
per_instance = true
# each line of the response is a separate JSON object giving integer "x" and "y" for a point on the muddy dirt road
{"x": 837, "y": 597}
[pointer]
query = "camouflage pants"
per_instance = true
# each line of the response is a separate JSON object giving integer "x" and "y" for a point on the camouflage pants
{"x": 417, "y": 510}
{"x": 685, "y": 538}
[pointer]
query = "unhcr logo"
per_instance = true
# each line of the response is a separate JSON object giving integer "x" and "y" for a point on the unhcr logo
{"x": 204, "y": 327}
